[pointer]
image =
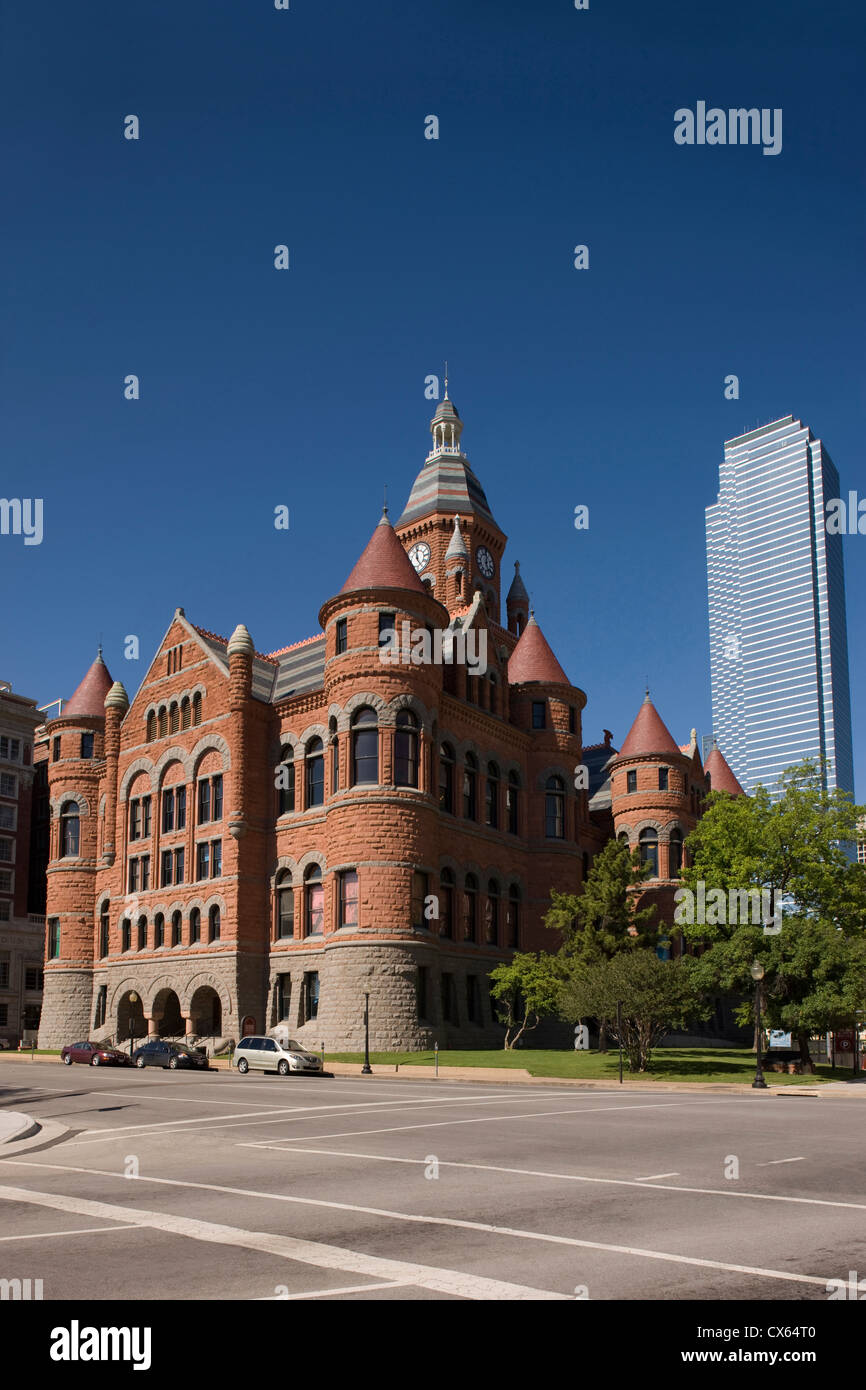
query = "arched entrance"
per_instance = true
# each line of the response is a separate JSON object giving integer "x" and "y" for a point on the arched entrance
{"x": 206, "y": 1012}
{"x": 130, "y": 1018}
{"x": 249, "y": 1026}
{"x": 166, "y": 1011}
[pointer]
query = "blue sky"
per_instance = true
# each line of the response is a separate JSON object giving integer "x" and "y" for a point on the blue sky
{"x": 306, "y": 387}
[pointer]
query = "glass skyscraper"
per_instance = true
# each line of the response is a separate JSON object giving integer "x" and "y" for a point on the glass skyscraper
{"x": 778, "y": 635}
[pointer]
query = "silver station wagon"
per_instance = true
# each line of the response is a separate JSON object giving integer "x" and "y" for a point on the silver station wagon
{"x": 271, "y": 1054}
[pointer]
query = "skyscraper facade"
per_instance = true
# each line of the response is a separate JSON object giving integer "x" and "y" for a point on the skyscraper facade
{"x": 778, "y": 633}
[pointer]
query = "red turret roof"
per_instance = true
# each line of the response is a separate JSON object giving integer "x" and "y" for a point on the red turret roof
{"x": 384, "y": 564}
{"x": 648, "y": 733}
{"x": 533, "y": 659}
{"x": 722, "y": 778}
{"x": 89, "y": 696}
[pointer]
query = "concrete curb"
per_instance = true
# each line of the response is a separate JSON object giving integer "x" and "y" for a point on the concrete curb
{"x": 15, "y": 1125}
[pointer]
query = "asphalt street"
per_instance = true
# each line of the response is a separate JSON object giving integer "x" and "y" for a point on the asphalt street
{"x": 217, "y": 1186}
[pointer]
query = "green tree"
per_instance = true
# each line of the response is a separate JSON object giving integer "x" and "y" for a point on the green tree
{"x": 526, "y": 989}
{"x": 656, "y": 996}
{"x": 795, "y": 848}
{"x": 602, "y": 920}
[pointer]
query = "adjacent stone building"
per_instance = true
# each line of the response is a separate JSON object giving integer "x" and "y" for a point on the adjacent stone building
{"x": 382, "y": 808}
{"x": 22, "y": 869}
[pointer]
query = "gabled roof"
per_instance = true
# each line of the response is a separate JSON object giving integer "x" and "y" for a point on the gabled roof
{"x": 89, "y": 697}
{"x": 722, "y": 778}
{"x": 383, "y": 564}
{"x": 533, "y": 659}
{"x": 648, "y": 733}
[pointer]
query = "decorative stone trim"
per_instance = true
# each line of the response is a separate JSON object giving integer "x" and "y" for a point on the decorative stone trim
{"x": 210, "y": 743}
{"x": 139, "y": 765}
{"x": 78, "y": 797}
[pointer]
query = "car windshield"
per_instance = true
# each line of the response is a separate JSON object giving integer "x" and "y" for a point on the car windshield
{"x": 182, "y": 1047}
{"x": 292, "y": 1046}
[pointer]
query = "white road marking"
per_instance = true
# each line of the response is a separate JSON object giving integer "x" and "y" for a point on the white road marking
{"x": 215, "y": 1122}
{"x": 655, "y": 1177}
{"x": 291, "y": 1248}
{"x": 291, "y": 1146}
{"x": 278, "y": 1111}
{"x": 329, "y": 1293}
{"x": 361, "y": 1264}
{"x": 84, "y": 1231}
{"x": 774, "y": 1161}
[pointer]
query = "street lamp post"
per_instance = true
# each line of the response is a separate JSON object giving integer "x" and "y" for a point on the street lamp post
{"x": 366, "y": 1069}
{"x": 756, "y": 970}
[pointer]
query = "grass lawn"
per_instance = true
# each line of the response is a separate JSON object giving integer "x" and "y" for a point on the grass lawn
{"x": 668, "y": 1064}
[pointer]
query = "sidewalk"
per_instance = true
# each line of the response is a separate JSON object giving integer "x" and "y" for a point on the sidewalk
{"x": 14, "y": 1124}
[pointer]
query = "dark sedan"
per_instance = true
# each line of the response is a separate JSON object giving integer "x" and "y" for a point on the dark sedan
{"x": 166, "y": 1054}
{"x": 94, "y": 1054}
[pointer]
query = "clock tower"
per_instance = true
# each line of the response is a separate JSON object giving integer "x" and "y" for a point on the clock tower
{"x": 447, "y": 527}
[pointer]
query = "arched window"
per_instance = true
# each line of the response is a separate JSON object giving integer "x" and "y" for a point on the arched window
{"x": 491, "y": 796}
{"x": 196, "y": 708}
{"x": 314, "y": 901}
{"x": 70, "y": 830}
{"x": 159, "y": 930}
{"x": 163, "y": 722}
{"x": 649, "y": 850}
{"x": 623, "y": 838}
{"x": 142, "y": 933}
{"x": 335, "y": 755}
{"x": 446, "y": 778}
{"x": 491, "y": 914}
{"x": 406, "y": 750}
{"x": 285, "y": 906}
{"x": 470, "y": 782}
{"x": 554, "y": 808}
{"x": 446, "y": 903}
{"x": 194, "y": 925}
{"x": 512, "y": 802}
{"x": 365, "y": 747}
{"x": 174, "y": 717}
{"x": 104, "y": 929}
{"x": 151, "y": 727}
{"x": 125, "y": 934}
{"x": 470, "y": 907}
{"x": 675, "y": 853}
{"x": 214, "y": 923}
{"x": 512, "y": 923}
{"x": 176, "y": 929}
{"x": 286, "y": 782}
{"x": 185, "y": 712}
{"x": 315, "y": 765}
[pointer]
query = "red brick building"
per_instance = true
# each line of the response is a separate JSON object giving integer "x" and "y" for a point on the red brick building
{"x": 22, "y": 868}
{"x": 383, "y": 808}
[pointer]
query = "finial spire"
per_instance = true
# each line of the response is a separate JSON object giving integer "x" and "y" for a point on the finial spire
{"x": 385, "y": 501}
{"x": 446, "y": 379}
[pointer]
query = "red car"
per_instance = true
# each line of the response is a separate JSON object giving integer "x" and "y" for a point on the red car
{"x": 94, "y": 1055}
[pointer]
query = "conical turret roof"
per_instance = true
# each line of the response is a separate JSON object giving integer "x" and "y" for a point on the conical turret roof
{"x": 517, "y": 593}
{"x": 648, "y": 733}
{"x": 533, "y": 659}
{"x": 383, "y": 564}
{"x": 722, "y": 778}
{"x": 457, "y": 545}
{"x": 88, "y": 697}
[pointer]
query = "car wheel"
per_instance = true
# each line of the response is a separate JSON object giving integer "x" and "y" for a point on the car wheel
{"x": 67, "y": 1060}
{"x": 283, "y": 1067}
{"x": 94, "y": 1061}
{"x": 243, "y": 1066}
{"x": 140, "y": 1062}
{"x": 173, "y": 1063}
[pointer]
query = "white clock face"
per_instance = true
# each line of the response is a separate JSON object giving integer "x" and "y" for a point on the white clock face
{"x": 486, "y": 562}
{"x": 420, "y": 555}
